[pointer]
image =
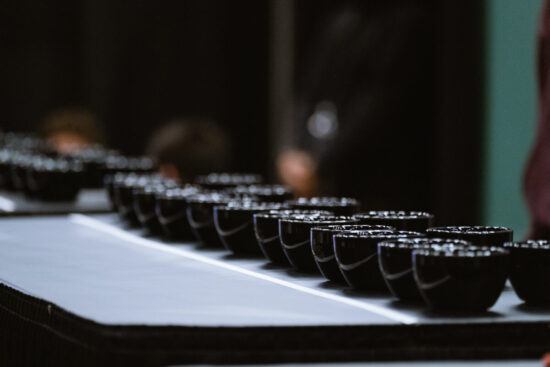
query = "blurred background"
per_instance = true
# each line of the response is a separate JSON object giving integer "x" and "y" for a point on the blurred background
{"x": 426, "y": 105}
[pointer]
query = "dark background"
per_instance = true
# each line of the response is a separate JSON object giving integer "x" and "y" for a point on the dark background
{"x": 138, "y": 64}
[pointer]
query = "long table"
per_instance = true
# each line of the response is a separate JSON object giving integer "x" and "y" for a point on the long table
{"x": 86, "y": 289}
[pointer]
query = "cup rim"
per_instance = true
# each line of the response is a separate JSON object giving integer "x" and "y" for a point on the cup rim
{"x": 247, "y": 206}
{"x": 469, "y": 230}
{"x": 228, "y": 178}
{"x": 314, "y": 219}
{"x": 325, "y": 201}
{"x": 390, "y": 235}
{"x": 467, "y": 252}
{"x": 277, "y": 214}
{"x": 421, "y": 242}
{"x": 352, "y": 227}
{"x": 535, "y": 245}
{"x": 394, "y": 214}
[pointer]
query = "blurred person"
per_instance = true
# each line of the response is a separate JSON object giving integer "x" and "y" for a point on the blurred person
{"x": 298, "y": 170}
{"x": 184, "y": 149}
{"x": 362, "y": 115}
{"x": 71, "y": 129}
{"x": 537, "y": 174}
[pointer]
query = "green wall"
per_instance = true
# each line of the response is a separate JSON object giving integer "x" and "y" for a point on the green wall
{"x": 510, "y": 114}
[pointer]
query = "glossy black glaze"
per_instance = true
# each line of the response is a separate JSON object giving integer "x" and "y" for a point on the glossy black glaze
{"x": 339, "y": 206}
{"x": 478, "y": 235}
{"x": 20, "y": 163}
{"x": 145, "y": 198}
{"x": 402, "y": 220}
{"x": 395, "y": 261}
{"x": 112, "y": 186}
{"x": 171, "y": 211}
{"x": 5, "y": 168}
{"x": 119, "y": 163}
{"x": 357, "y": 256}
{"x": 266, "y": 229}
{"x": 530, "y": 270}
{"x": 93, "y": 159}
{"x": 144, "y": 207}
{"x": 323, "y": 248}
{"x": 200, "y": 214}
{"x": 235, "y": 225}
{"x": 294, "y": 232}
{"x": 266, "y": 193}
{"x": 124, "y": 196}
{"x": 108, "y": 184}
{"x": 463, "y": 280}
{"x": 54, "y": 179}
{"x": 220, "y": 181}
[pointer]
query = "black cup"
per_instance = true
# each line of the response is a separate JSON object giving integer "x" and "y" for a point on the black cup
{"x": 124, "y": 196}
{"x": 266, "y": 193}
{"x": 171, "y": 211}
{"x": 294, "y": 232}
{"x": 220, "y": 181}
{"x": 356, "y": 255}
{"x": 5, "y": 167}
{"x": 112, "y": 182}
{"x": 395, "y": 261}
{"x": 530, "y": 270}
{"x": 266, "y": 229}
{"x": 477, "y": 235}
{"x": 145, "y": 201}
{"x": 401, "y": 220}
{"x": 144, "y": 207}
{"x": 235, "y": 225}
{"x": 108, "y": 183}
{"x": 200, "y": 215}
{"x": 20, "y": 163}
{"x": 94, "y": 161}
{"x": 54, "y": 179}
{"x": 337, "y": 205}
{"x": 461, "y": 280}
{"x": 322, "y": 246}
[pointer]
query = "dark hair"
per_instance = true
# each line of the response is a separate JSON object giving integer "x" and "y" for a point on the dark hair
{"x": 194, "y": 147}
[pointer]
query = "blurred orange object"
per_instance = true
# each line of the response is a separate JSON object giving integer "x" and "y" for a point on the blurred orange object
{"x": 298, "y": 170}
{"x": 71, "y": 129}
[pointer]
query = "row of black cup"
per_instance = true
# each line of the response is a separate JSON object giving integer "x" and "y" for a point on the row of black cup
{"x": 162, "y": 205}
{"x": 454, "y": 268}
{"x": 47, "y": 175}
{"x": 454, "y": 274}
{"x": 307, "y": 235}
